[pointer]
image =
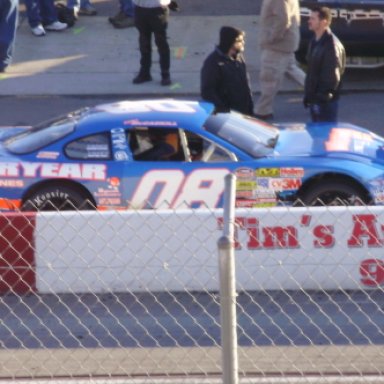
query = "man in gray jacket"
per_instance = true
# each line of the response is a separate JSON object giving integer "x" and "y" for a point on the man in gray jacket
{"x": 279, "y": 38}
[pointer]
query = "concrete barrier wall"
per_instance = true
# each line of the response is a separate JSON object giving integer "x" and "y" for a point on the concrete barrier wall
{"x": 279, "y": 248}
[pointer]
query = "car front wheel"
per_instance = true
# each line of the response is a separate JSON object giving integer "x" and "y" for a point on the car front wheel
{"x": 334, "y": 193}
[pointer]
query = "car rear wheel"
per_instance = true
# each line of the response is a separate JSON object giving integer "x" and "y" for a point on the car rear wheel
{"x": 333, "y": 193}
{"x": 57, "y": 198}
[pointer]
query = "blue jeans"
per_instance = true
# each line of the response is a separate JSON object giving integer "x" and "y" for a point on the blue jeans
{"x": 8, "y": 25}
{"x": 40, "y": 12}
{"x": 78, "y": 3}
{"x": 325, "y": 112}
{"x": 127, "y": 7}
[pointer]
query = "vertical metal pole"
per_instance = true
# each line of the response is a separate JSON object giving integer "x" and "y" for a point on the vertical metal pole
{"x": 228, "y": 286}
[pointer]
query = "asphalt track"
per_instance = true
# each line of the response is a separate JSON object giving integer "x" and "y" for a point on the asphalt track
{"x": 149, "y": 320}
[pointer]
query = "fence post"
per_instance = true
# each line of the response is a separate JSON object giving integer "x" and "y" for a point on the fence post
{"x": 228, "y": 286}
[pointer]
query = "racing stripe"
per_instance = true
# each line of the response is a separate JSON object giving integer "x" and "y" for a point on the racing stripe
{"x": 17, "y": 247}
{"x": 9, "y": 204}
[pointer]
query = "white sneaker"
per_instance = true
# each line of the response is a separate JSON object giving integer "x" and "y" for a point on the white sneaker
{"x": 38, "y": 31}
{"x": 56, "y": 26}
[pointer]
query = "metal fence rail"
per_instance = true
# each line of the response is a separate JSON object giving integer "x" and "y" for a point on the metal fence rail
{"x": 137, "y": 295}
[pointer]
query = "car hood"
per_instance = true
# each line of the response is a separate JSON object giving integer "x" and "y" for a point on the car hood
{"x": 333, "y": 140}
{"x": 6, "y": 133}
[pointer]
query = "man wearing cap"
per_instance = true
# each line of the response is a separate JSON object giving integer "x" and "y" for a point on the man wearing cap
{"x": 224, "y": 79}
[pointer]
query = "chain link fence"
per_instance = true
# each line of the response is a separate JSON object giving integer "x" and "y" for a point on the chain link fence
{"x": 136, "y": 295}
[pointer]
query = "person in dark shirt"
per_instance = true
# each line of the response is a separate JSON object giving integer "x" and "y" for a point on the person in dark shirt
{"x": 224, "y": 77}
{"x": 326, "y": 64}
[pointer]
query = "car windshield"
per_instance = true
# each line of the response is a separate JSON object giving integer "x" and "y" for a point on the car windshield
{"x": 252, "y": 136}
{"x": 43, "y": 134}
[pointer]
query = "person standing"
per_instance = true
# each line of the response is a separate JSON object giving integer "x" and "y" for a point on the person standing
{"x": 224, "y": 79}
{"x": 279, "y": 39}
{"x": 326, "y": 65}
{"x": 8, "y": 26}
{"x": 81, "y": 8}
{"x": 42, "y": 17}
{"x": 151, "y": 17}
{"x": 124, "y": 18}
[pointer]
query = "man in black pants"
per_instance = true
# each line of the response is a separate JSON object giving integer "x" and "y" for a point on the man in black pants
{"x": 151, "y": 16}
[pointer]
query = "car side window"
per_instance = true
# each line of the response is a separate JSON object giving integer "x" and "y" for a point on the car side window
{"x": 204, "y": 150}
{"x": 155, "y": 144}
{"x": 94, "y": 147}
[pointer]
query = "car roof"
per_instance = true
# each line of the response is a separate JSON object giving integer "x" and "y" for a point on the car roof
{"x": 154, "y": 113}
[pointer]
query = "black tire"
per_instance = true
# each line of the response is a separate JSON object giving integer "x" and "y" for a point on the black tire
{"x": 56, "y": 198}
{"x": 333, "y": 193}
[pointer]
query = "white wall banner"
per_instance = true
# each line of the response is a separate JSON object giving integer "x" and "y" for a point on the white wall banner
{"x": 278, "y": 248}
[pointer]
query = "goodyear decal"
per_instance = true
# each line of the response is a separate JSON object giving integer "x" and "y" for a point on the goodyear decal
{"x": 54, "y": 170}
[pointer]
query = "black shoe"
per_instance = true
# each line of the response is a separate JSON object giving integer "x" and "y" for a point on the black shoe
{"x": 139, "y": 79}
{"x": 118, "y": 17}
{"x": 127, "y": 22}
{"x": 268, "y": 116}
{"x": 166, "y": 81}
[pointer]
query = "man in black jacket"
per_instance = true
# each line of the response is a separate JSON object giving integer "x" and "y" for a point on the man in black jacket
{"x": 224, "y": 77}
{"x": 326, "y": 65}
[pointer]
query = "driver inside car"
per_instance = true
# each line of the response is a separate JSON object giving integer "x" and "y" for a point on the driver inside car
{"x": 165, "y": 144}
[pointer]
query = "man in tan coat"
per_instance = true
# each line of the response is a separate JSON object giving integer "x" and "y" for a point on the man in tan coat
{"x": 279, "y": 38}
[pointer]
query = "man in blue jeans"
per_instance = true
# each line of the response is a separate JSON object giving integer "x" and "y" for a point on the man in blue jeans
{"x": 124, "y": 18}
{"x": 42, "y": 16}
{"x": 8, "y": 25}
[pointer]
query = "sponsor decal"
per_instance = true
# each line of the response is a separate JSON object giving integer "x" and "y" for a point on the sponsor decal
{"x": 268, "y": 172}
{"x": 292, "y": 172}
{"x": 244, "y": 173}
{"x": 244, "y": 194}
{"x": 11, "y": 183}
{"x": 114, "y": 181}
{"x": 256, "y": 203}
{"x": 119, "y": 139}
{"x": 264, "y": 194}
{"x": 121, "y": 156}
{"x": 286, "y": 184}
{"x": 245, "y": 185}
{"x": 54, "y": 170}
{"x": 150, "y": 123}
{"x": 109, "y": 201}
{"x": 48, "y": 155}
{"x": 262, "y": 183}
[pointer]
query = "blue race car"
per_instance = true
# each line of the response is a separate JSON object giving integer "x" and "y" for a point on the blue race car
{"x": 169, "y": 153}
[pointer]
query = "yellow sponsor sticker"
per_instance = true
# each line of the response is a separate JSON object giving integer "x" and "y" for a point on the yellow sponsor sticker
{"x": 245, "y": 185}
{"x": 267, "y": 172}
